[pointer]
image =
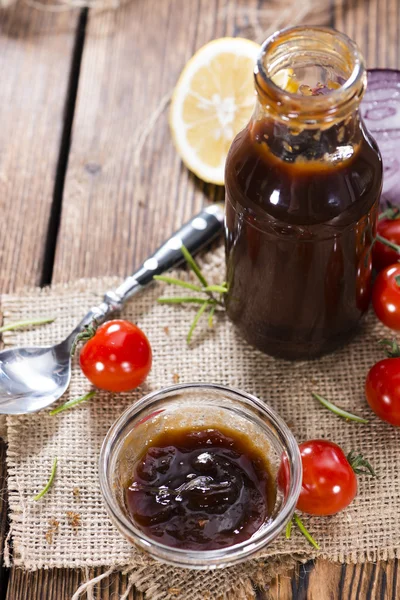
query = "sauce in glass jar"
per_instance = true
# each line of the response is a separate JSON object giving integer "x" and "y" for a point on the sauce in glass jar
{"x": 201, "y": 489}
{"x": 303, "y": 182}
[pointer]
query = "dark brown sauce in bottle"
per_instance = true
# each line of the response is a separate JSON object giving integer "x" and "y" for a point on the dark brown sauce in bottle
{"x": 303, "y": 182}
{"x": 201, "y": 489}
{"x": 297, "y": 241}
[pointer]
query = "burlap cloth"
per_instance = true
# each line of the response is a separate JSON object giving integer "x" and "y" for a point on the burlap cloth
{"x": 368, "y": 530}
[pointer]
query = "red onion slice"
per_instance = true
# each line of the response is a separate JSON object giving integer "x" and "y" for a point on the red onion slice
{"x": 380, "y": 109}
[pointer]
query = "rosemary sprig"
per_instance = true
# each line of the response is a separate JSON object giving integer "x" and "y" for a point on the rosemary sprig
{"x": 29, "y": 323}
{"x": 49, "y": 483}
{"x": 338, "y": 411}
{"x": 72, "y": 403}
{"x": 305, "y": 531}
{"x": 212, "y": 293}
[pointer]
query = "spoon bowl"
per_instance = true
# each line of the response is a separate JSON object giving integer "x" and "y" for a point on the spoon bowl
{"x": 33, "y": 378}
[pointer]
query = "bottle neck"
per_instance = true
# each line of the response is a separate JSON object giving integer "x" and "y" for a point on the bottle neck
{"x": 290, "y": 142}
{"x": 309, "y": 83}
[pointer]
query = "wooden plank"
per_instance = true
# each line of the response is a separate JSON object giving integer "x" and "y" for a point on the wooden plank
{"x": 61, "y": 584}
{"x": 35, "y": 60}
{"x": 330, "y": 581}
{"x": 116, "y": 209}
{"x": 36, "y": 49}
{"x": 3, "y": 517}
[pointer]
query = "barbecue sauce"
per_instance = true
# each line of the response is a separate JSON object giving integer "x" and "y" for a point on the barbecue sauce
{"x": 303, "y": 182}
{"x": 200, "y": 489}
{"x": 298, "y": 238}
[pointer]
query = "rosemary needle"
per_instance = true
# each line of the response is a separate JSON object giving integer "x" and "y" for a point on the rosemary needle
{"x": 72, "y": 403}
{"x": 179, "y": 282}
{"x": 338, "y": 411}
{"x": 49, "y": 483}
{"x": 305, "y": 532}
{"x": 211, "y": 315}
{"x": 289, "y": 529}
{"x": 22, "y": 324}
{"x": 206, "y": 304}
{"x": 180, "y": 300}
{"x": 194, "y": 266}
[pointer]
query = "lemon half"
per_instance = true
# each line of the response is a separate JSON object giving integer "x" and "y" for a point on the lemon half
{"x": 212, "y": 101}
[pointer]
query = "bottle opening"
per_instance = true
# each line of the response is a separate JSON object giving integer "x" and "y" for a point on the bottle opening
{"x": 310, "y": 73}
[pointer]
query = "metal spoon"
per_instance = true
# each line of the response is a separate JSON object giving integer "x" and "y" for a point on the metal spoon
{"x": 33, "y": 378}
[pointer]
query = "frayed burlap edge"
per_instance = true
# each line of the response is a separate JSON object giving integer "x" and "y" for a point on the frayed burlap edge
{"x": 162, "y": 582}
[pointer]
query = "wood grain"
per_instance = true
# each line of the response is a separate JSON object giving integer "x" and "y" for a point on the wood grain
{"x": 330, "y": 581}
{"x": 35, "y": 60}
{"x": 3, "y": 517}
{"x": 118, "y": 205}
{"x": 116, "y": 208}
{"x": 61, "y": 584}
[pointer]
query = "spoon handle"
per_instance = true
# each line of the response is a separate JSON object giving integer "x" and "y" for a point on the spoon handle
{"x": 195, "y": 234}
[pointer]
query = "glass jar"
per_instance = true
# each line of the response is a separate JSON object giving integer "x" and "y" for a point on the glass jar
{"x": 303, "y": 182}
{"x": 198, "y": 405}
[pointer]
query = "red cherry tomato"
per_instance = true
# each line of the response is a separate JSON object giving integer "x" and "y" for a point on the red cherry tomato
{"x": 382, "y": 255}
{"x": 382, "y": 389}
{"x": 118, "y": 357}
{"x": 386, "y": 297}
{"x": 329, "y": 482}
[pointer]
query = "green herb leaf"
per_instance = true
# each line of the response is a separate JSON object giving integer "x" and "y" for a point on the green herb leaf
{"x": 201, "y": 310}
{"x": 179, "y": 282}
{"x": 338, "y": 411}
{"x": 305, "y": 532}
{"x": 289, "y": 529}
{"x": 210, "y": 317}
{"x": 49, "y": 483}
{"x": 221, "y": 289}
{"x": 30, "y": 323}
{"x": 397, "y": 280}
{"x": 181, "y": 300}
{"x": 360, "y": 465}
{"x": 72, "y": 403}
{"x": 194, "y": 266}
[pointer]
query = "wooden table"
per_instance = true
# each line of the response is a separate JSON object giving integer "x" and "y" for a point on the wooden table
{"x": 80, "y": 195}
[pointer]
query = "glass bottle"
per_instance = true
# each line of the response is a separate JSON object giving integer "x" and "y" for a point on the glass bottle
{"x": 303, "y": 182}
